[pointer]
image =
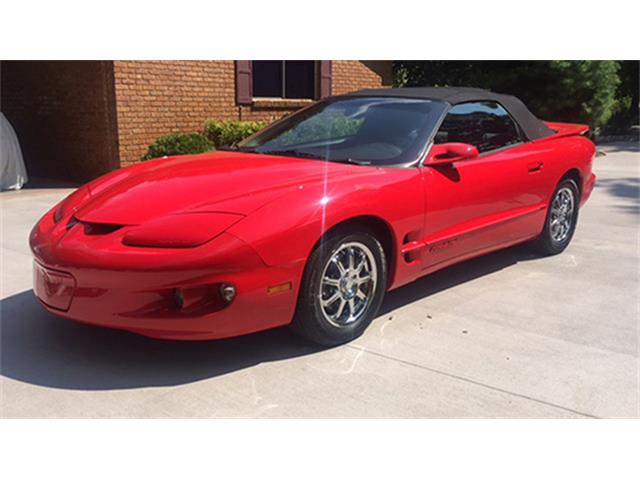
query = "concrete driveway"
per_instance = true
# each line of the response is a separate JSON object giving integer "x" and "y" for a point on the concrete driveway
{"x": 505, "y": 335}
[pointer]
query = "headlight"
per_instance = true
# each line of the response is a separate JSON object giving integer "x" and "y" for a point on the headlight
{"x": 180, "y": 231}
{"x": 71, "y": 203}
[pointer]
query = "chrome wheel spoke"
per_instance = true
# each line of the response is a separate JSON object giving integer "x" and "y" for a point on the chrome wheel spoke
{"x": 338, "y": 314}
{"x": 361, "y": 295}
{"x": 361, "y": 266}
{"x": 332, "y": 282}
{"x": 337, "y": 263}
{"x": 331, "y": 299}
{"x": 352, "y": 310}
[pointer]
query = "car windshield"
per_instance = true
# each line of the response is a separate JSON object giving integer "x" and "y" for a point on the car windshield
{"x": 364, "y": 130}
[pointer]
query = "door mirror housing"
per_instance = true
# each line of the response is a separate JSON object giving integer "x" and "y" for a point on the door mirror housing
{"x": 447, "y": 153}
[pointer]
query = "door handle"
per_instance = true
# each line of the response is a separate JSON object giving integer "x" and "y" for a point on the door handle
{"x": 535, "y": 167}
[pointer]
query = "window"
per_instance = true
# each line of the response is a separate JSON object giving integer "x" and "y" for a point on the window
{"x": 486, "y": 125}
{"x": 284, "y": 79}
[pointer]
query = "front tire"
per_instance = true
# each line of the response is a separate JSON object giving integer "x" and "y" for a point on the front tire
{"x": 342, "y": 288}
{"x": 562, "y": 218}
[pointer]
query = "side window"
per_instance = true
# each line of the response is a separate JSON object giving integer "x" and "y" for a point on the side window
{"x": 486, "y": 125}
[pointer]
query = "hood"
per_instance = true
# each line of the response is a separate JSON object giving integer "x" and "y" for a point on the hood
{"x": 230, "y": 182}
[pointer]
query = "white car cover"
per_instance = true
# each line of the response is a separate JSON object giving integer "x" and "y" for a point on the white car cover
{"x": 13, "y": 173}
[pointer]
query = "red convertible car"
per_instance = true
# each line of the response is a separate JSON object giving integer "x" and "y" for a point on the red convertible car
{"x": 310, "y": 221}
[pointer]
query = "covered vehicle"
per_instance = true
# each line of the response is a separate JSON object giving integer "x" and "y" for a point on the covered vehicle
{"x": 13, "y": 173}
{"x": 310, "y": 221}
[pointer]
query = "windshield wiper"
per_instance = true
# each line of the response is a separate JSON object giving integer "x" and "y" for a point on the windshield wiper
{"x": 296, "y": 153}
{"x": 293, "y": 153}
{"x": 235, "y": 148}
{"x": 351, "y": 160}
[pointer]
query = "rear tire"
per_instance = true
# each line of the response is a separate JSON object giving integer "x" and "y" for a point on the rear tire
{"x": 562, "y": 218}
{"x": 342, "y": 288}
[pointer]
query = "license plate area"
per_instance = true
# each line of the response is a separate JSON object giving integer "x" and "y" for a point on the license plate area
{"x": 52, "y": 287}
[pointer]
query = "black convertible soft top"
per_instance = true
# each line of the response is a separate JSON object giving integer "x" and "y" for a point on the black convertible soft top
{"x": 531, "y": 125}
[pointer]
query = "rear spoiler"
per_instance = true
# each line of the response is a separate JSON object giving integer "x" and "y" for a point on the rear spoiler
{"x": 564, "y": 130}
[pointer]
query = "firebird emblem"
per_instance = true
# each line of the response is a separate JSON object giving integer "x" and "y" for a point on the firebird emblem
{"x": 436, "y": 247}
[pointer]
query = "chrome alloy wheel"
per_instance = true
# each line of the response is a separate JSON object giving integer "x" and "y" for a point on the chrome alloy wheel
{"x": 348, "y": 284}
{"x": 561, "y": 217}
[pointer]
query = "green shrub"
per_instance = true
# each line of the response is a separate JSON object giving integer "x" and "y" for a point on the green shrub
{"x": 229, "y": 132}
{"x": 178, "y": 144}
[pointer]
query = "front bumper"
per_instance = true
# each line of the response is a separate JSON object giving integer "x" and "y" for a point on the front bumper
{"x": 99, "y": 281}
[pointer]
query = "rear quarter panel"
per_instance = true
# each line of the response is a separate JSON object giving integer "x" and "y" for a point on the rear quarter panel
{"x": 561, "y": 155}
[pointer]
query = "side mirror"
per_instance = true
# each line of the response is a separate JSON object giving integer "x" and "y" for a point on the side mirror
{"x": 447, "y": 153}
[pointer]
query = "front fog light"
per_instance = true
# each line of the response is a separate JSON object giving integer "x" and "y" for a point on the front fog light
{"x": 227, "y": 292}
{"x": 203, "y": 298}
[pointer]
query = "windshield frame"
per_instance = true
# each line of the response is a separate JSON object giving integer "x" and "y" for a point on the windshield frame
{"x": 422, "y": 145}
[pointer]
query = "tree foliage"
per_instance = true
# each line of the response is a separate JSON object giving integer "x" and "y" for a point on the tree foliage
{"x": 628, "y": 97}
{"x": 584, "y": 91}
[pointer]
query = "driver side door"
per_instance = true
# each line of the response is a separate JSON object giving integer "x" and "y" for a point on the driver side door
{"x": 481, "y": 204}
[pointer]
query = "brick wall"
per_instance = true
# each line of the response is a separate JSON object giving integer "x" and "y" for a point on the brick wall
{"x": 348, "y": 76}
{"x": 64, "y": 116}
{"x": 154, "y": 98}
{"x": 158, "y": 97}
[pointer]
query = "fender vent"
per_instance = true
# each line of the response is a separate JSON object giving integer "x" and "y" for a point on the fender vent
{"x": 411, "y": 247}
